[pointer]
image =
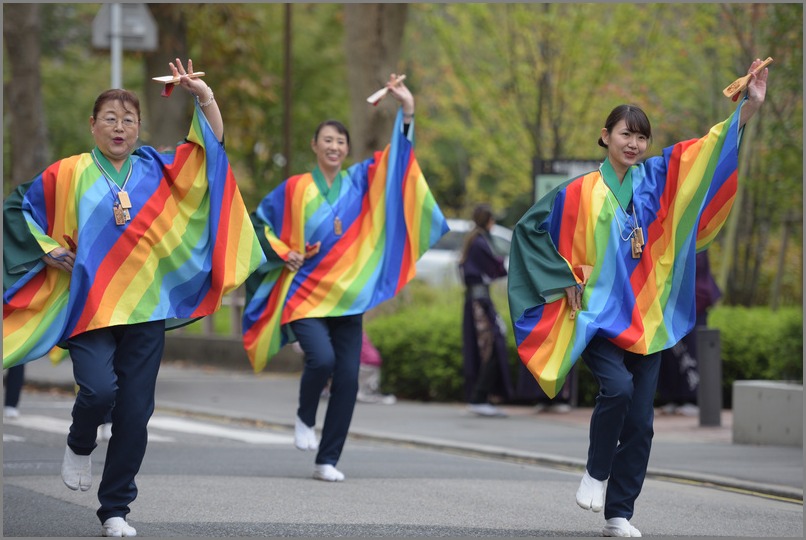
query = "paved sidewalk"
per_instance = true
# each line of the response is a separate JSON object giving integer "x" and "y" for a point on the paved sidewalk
{"x": 682, "y": 450}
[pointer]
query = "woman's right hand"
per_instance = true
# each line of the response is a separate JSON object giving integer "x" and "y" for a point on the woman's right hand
{"x": 574, "y": 296}
{"x": 295, "y": 260}
{"x": 60, "y": 258}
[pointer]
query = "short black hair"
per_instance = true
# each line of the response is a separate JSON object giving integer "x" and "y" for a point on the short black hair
{"x": 338, "y": 126}
{"x": 635, "y": 118}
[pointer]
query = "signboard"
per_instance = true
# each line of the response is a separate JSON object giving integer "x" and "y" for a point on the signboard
{"x": 550, "y": 173}
{"x": 138, "y": 29}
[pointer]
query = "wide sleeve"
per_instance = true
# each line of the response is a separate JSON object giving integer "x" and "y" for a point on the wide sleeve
{"x": 21, "y": 249}
{"x": 537, "y": 272}
{"x": 35, "y": 295}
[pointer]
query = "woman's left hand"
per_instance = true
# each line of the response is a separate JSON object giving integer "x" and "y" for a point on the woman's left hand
{"x": 400, "y": 92}
{"x": 195, "y": 86}
{"x": 757, "y": 87}
{"x": 203, "y": 93}
{"x": 756, "y": 92}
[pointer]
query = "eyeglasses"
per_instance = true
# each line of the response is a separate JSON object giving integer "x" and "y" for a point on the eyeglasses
{"x": 111, "y": 121}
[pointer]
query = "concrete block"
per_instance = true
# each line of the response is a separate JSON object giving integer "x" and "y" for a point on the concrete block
{"x": 768, "y": 412}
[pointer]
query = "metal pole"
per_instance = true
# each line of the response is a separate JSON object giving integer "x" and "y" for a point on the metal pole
{"x": 709, "y": 364}
{"x": 116, "y": 48}
{"x": 287, "y": 95}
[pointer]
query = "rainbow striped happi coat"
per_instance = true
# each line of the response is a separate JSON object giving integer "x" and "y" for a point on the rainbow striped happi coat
{"x": 189, "y": 242}
{"x": 390, "y": 218}
{"x": 643, "y": 305}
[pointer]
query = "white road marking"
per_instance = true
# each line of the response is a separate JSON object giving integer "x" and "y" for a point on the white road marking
{"x": 165, "y": 423}
{"x": 212, "y": 430}
{"x": 59, "y": 426}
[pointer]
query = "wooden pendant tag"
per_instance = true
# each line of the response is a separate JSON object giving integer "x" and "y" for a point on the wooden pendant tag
{"x": 120, "y": 217}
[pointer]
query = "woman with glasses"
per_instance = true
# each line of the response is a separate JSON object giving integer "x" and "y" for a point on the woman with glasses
{"x": 104, "y": 250}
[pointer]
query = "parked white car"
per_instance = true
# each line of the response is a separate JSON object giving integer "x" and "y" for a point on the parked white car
{"x": 439, "y": 266}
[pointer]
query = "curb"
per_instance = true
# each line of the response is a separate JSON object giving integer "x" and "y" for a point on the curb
{"x": 757, "y": 489}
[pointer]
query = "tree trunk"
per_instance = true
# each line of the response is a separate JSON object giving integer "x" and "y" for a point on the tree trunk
{"x": 373, "y": 39}
{"x": 28, "y": 140}
{"x": 168, "y": 118}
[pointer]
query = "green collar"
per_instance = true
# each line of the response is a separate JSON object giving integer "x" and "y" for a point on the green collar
{"x": 118, "y": 177}
{"x": 331, "y": 193}
{"x": 622, "y": 190}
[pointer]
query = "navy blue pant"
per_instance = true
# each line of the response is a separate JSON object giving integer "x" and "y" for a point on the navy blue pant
{"x": 621, "y": 425}
{"x": 15, "y": 378}
{"x": 116, "y": 370}
{"x": 332, "y": 347}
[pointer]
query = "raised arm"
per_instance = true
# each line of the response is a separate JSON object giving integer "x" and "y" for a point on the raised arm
{"x": 203, "y": 93}
{"x": 402, "y": 94}
{"x": 756, "y": 92}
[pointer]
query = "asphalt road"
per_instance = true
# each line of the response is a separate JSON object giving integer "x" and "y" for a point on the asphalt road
{"x": 207, "y": 477}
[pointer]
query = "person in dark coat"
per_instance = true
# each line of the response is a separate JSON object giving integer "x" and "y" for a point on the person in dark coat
{"x": 486, "y": 361}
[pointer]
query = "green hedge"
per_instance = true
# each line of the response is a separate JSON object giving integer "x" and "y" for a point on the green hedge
{"x": 758, "y": 343}
{"x": 419, "y": 336}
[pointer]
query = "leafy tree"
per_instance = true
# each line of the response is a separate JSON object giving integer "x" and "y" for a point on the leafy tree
{"x": 496, "y": 86}
{"x": 241, "y": 47}
{"x": 373, "y": 40}
{"x": 167, "y": 119}
{"x": 769, "y": 205}
{"x": 28, "y": 149}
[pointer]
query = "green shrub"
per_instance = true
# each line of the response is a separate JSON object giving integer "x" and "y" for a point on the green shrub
{"x": 419, "y": 336}
{"x": 758, "y": 343}
{"x": 421, "y": 347}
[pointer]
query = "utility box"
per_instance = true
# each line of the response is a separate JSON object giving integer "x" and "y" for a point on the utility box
{"x": 768, "y": 412}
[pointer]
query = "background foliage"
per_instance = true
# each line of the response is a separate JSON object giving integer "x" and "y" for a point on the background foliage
{"x": 496, "y": 85}
{"x": 419, "y": 337}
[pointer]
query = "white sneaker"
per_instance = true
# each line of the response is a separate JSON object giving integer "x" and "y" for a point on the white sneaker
{"x": 328, "y": 473}
{"x": 384, "y": 399}
{"x": 11, "y": 412}
{"x": 687, "y": 409}
{"x": 105, "y": 432}
{"x": 76, "y": 470}
{"x": 486, "y": 409}
{"x": 669, "y": 408}
{"x": 117, "y": 526}
{"x": 591, "y": 493}
{"x": 621, "y": 528}
{"x": 304, "y": 436}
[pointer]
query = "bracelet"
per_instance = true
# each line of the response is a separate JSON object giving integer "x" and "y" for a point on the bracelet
{"x": 206, "y": 103}
{"x": 405, "y": 115}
